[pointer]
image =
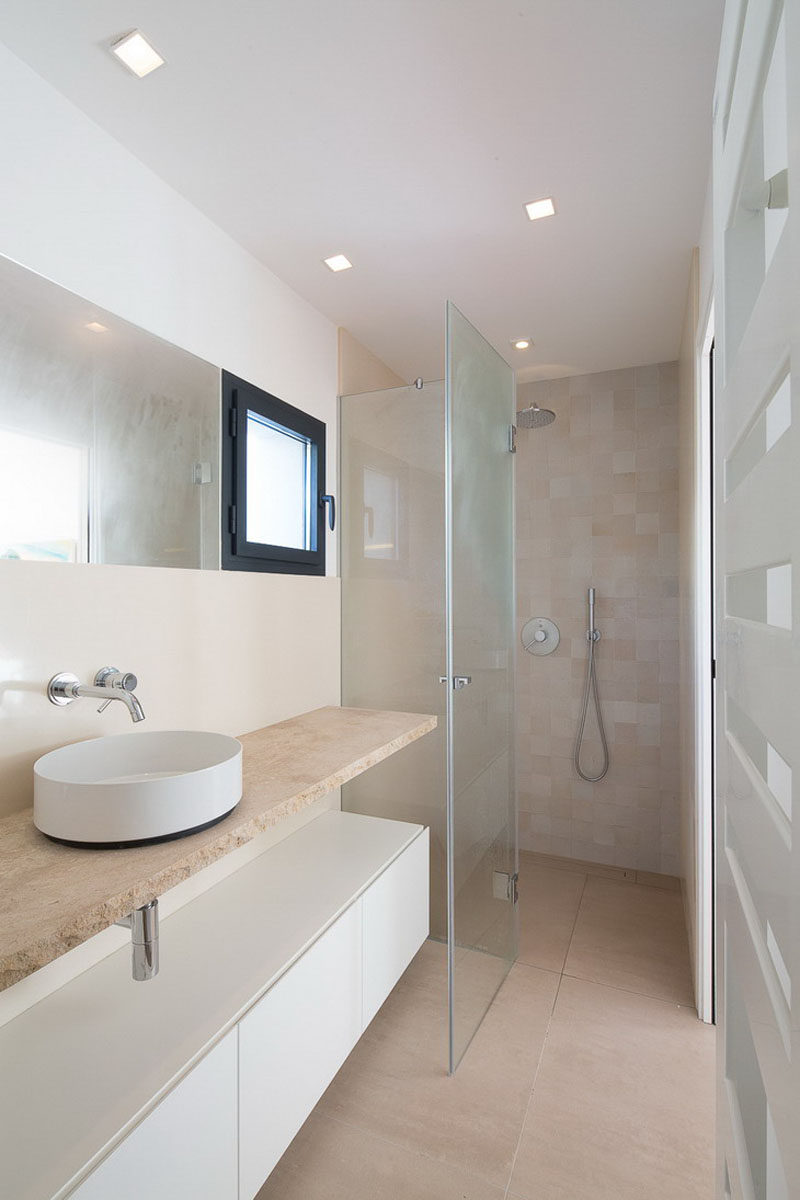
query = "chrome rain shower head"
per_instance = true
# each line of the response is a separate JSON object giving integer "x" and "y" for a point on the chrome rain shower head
{"x": 534, "y": 417}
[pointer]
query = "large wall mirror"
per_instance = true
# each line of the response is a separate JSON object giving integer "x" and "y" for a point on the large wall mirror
{"x": 109, "y": 436}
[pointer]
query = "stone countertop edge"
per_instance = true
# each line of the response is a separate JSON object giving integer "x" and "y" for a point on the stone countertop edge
{"x": 62, "y": 887}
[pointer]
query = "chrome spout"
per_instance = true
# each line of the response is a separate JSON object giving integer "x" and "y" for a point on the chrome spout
{"x": 119, "y": 693}
{"x": 143, "y": 924}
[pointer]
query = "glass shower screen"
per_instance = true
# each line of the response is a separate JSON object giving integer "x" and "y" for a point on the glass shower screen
{"x": 426, "y": 487}
{"x": 482, "y": 842}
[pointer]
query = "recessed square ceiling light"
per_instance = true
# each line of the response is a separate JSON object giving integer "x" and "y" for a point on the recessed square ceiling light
{"x": 96, "y": 327}
{"x": 541, "y": 208}
{"x": 337, "y": 262}
{"x": 136, "y": 53}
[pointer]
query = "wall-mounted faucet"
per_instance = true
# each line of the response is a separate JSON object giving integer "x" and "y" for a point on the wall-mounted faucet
{"x": 109, "y": 684}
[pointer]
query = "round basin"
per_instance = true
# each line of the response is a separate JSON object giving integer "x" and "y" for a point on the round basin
{"x": 136, "y": 787}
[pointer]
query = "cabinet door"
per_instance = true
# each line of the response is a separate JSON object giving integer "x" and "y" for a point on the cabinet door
{"x": 185, "y": 1147}
{"x": 395, "y": 922}
{"x": 293, "y": 1042}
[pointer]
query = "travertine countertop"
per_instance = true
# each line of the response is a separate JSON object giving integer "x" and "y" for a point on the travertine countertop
{"x": 54, "y": 897}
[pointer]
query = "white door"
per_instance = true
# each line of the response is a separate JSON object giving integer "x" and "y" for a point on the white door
{"x": 757, "y": 261}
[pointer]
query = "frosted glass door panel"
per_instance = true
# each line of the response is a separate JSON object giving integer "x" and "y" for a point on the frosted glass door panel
{"x": 393, "y": 627}
{"x": 480, "y": 411}
{"x": 757, "y": 256}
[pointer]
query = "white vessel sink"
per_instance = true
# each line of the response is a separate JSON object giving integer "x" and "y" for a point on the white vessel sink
{"x": 136, "y": 787}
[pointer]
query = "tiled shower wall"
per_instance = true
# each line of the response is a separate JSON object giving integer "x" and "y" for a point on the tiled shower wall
{"x": 597, "y": 503}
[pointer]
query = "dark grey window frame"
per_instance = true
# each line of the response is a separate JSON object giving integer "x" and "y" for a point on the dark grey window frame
{"x": 239, "y": 396}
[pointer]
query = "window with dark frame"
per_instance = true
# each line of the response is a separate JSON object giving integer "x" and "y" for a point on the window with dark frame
{"x": 273, "y": 483}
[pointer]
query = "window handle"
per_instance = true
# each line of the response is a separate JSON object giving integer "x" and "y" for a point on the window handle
{"x": 330, "y": 501}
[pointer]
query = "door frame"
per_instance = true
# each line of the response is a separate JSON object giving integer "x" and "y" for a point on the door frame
{"x": 704, "y": 657}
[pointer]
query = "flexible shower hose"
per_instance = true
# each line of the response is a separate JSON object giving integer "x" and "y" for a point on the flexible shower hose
{"x": 591, "y": 689}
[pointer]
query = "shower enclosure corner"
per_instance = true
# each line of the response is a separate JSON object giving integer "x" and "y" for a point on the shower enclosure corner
{"x": 427, "y": 554}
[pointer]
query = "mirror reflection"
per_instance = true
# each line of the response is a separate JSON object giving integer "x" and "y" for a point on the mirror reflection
{"x": 109, "y": 436}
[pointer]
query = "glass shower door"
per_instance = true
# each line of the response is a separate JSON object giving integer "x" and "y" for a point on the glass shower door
{"x": 482, "y": 828}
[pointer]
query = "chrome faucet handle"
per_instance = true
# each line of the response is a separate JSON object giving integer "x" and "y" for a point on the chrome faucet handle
{"x": 111, "y": 677}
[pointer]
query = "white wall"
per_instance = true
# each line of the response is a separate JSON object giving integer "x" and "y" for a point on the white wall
{"x": 81, "y": 210}
{"x": 222, "y": 650}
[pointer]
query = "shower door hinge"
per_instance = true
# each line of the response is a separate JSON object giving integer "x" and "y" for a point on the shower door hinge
{"x": 504, "y": 886}
{"x": 512, "y": 439}
{"x": 459, "y": 681}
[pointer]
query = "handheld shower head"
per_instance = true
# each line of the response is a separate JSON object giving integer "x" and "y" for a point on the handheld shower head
{"x": 534, "y": 417}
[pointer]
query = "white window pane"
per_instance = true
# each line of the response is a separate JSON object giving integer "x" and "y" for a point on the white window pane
{"x": 278, "y": 501}
{"x": 44, "y": 502}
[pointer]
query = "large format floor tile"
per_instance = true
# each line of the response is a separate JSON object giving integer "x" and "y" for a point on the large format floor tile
{"x": 331, "y": 1161}
{"x": 632, "y": 937}
{"x": 623, "y": 1107}
{"x": 548, "y": 905}
{"x": 617, "y": 1081}
{"x": 394, "y": 1085}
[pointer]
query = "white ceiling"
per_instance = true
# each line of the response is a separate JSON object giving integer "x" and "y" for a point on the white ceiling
{"x": 408, "y": 134}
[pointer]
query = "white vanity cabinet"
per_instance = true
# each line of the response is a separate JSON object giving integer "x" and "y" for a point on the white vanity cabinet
{"x": 292, "y": 1043}
{"x": 194, "y": 1083}
{"x": 187, "y": 1146}
{"x": 396, "y": 923}
{"x": 321, "y": 1006}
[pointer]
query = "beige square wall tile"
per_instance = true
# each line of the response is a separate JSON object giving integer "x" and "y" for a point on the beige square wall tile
{"x": 331, "y": 1161}
{"x": 623, "y": 1107}
{"x": 632, "y": 937}
{"x": 612, "y": 521}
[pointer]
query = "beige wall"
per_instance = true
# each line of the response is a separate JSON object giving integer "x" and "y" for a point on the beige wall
{"x": 230, "y": 651}
{"x": 360, "y": 370}
{"x": 221, "y": 650}
{"x": 597, "y": 503}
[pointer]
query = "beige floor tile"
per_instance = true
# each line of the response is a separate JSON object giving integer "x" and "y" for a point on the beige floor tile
{"x": 623, "y": 1107}
{"x": 428, "y": 969}
{"x": 331, "y": 1161}
{"x": 654, "y": 879}
{"x": 632, "y": 937}
{"x": 394, "y": 1085}
{"x": 557, "y": 862}
{"x": 548, "y": 906}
